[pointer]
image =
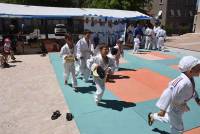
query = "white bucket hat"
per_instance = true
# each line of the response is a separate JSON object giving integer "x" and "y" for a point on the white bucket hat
{"x": 187, "y": 63}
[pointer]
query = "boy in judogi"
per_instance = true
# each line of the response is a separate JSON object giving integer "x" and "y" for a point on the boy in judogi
{"x": 149, "y": 37}
{"x": 161, "y": 35}
{"x": 173, "y": 101}
{"x": 106, "y": 66}
{"x": 68, "y": 56}
{"x": 85, "y": 49}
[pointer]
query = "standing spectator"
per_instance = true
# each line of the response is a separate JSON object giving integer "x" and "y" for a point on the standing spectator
{"x": 161, "y": 36}
{"x": 149, "y": 37}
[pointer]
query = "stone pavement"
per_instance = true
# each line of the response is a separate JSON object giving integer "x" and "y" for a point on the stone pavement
{"x": 29, "y": 94}
{"x": 190, "y": 41}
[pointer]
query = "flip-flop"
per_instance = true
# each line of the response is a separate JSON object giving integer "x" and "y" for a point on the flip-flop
{"x": 69, "y": 116}
{"x": 55, "y": 115}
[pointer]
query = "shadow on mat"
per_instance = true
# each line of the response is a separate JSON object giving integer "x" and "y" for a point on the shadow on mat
{"x": 126, "y": 69}
{"x": 160, "y": 131}
{"x": 84, "y": 90}
{"x": 119, "y": 77}
{"x": 116, "y": 104}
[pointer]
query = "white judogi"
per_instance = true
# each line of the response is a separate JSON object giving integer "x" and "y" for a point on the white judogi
{"x": 70, "y": 66}
{"x": 118, "y": 55}
{"x": 149, "y": 37}
{"x": 174, "y": 100}
{"x": 111, "y": 36}
{"x": 101, "y": 34}
{"x": 100, "y": 83}
{"x": 136, "y": 45}
{"x": 161, "y": 35}
{"x": 87, "y": 25}
{"x": 155, "y": 30}
{"x": 84, "y": 51}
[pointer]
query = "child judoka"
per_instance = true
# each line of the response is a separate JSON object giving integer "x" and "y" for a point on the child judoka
{"x": 106, "y": 66}
{"x": 137, "y": 43}
{"x": 173, "y": 101}
{"x": 68, "y": 55}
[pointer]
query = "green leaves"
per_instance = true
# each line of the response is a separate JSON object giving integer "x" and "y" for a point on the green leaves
{"x": 137, "y": 5}
{"x": 117, "y": 4}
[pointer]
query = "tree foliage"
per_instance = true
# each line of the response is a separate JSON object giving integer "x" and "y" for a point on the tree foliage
{"x": 137, "y": 5}
{"x": 56, "y": 3}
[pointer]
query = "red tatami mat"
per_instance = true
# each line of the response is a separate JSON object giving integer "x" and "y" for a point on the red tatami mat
{"x": 193, "y": 131}
{"x": 174, "y": 67}
{"x": 138, "y": 86}
{"x": 154, "y": 56}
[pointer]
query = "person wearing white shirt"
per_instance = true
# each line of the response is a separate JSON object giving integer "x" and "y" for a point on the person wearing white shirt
{"x": 111, "y": 36}
{"x": 137, "y": 43}
{"x": 161, "y": 36}
{"x": 107, "y": 64}
{"x": 155, "y": 30}
{"x": 87, "y": 24}
{"x": 68, "y": 57}
{"x": 85, "y": 49}
{"x": 173, "y": 101}
{"x": 149, "y": 37}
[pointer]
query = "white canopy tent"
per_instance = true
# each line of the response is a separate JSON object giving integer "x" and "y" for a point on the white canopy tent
{"x": 25, "y": 11}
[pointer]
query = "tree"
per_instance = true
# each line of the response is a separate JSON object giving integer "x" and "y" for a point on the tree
{"x": 56, "y": 3}
{"x": 137, "y": 5}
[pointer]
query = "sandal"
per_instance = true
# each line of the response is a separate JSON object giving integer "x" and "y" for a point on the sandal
{"x": 150, "y": 119}
{"x": 69, "y": 116}
{"x": 55, "y": 115}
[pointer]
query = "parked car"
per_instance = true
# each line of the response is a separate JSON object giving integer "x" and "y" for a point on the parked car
{"x": 60, "y": 30}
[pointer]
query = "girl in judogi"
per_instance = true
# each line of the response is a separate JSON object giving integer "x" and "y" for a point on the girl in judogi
{"x": 107, "y": 65}
{"x": 68, "y": 56}
{"x": 137, "y": 43}
{"x": 85, "y": 50}
{"x": 173, "y": 101}
{"x": 120, "y": 51}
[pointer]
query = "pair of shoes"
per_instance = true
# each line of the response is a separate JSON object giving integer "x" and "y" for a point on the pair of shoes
{"x": 150, "y": 119}
{"x": 55, "y": 115}
{"x": 65, "y": 82}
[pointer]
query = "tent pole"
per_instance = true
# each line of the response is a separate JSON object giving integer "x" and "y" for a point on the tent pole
{"x": 3, "y": 26}
{"x": 45, "y": 28}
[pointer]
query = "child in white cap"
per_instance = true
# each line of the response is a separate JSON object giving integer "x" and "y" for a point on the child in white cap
{"x": 173, "y": 101}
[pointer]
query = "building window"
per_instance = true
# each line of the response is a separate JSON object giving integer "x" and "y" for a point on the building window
{"x": 190, "y": 13}
{"x": 161, "y": 1}
{"x": 178, "y": 12}
{"x": 172, "y": 12}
